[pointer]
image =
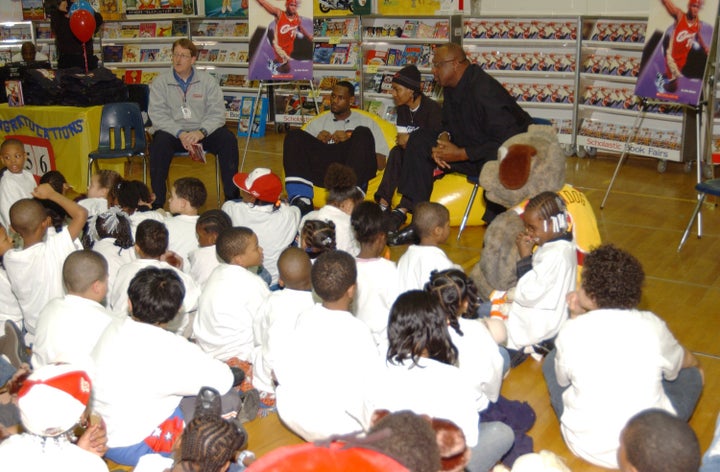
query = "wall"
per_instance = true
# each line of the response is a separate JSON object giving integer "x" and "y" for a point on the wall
{"x": 10, "y": 10}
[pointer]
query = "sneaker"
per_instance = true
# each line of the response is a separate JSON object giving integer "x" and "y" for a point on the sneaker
{"x": 208, "y": 402}
{"x": 12, "y": 345}
{"x": 249, "y": 406}
{"x": 398, "y": 218}
{"x": 303, "y": 203}
{"x": 543, "y": 348}
{"x": 407, "y": 235}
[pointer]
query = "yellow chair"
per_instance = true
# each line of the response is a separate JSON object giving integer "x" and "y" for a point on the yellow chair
{"x": 452, "y": 190}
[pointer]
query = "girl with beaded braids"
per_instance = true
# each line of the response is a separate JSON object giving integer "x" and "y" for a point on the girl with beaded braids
{"x": 545, "y": 277}
{"x": 480, "y": 359}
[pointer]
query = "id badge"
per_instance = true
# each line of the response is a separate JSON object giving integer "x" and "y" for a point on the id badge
{"x": 186, "y": 112}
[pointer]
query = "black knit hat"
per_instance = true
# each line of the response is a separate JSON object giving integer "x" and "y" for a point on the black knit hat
{"x": 408, "y": 76}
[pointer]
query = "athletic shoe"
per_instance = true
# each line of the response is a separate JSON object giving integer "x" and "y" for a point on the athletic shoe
{"x": 249, "y": 405}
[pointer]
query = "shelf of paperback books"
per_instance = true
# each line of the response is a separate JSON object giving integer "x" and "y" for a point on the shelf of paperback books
{"x": 12, "y": 35}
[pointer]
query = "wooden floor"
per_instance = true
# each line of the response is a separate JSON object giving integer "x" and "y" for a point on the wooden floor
{"x": 645, "y": 214}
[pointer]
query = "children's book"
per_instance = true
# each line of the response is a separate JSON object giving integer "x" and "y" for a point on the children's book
{"x": 441, "y": 29}
{"x": 213, "y": 56}
{"x": 376, "y": 57}
{"x": 163, "y": 29}
{"x": 149, "y": 55}
{"x": 339, "y": 55}
{"x": 13, "y": 90}
{"x": 111, "y": 30}
{"x": 374, "y": 106}
{"x": 394, "y": 57}
{"x": 425, "y": 30}
{"x": 179, "y": 28}
{"x": 133, "y": 76}
{"x": 197, "y": 153}
{"x": 147, "y": 30}
{"x": 409, "y": 30}
{"x": 323, "y": 53}
{"x": 113, "y": 53}
{"x": 203, "y": 55}
{"x": 129, "y": 30}
{"x": 43, "y": 31}
{"x": 131, "y": 53}
{"x": 411, "y": 55}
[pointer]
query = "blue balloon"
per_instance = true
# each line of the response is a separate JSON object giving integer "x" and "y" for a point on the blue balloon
{"x": 81, "y": 5}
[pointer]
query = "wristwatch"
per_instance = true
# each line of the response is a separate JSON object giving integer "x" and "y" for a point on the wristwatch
{"x": 204, "y": 132}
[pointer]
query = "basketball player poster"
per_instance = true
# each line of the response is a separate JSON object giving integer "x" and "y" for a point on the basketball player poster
{"x": 678, "y": 40}
{"x": 281, "y": 45}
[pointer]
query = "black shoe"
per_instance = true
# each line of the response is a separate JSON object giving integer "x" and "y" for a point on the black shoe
{"x": 397, "y": 218}
{"x": 303, "y": 203}
{"x": 543, "y": 348}
{"x": 249, "y": 406}
{"x": 407, "y": 235}
{"x": 238, "y": 375}
{"x": 208, "y": 402}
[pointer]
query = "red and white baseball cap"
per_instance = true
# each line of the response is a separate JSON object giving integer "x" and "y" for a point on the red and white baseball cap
{"x": 53, "y": 399}
{"x": 261, "y": 183}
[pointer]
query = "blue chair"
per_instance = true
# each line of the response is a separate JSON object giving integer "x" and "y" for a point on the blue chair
{"x": 122, "y": 134}
{"x": 475, "y": 180}
{"x": 709, "y": 187}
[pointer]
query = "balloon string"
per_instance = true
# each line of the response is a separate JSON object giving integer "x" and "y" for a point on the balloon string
{"x": 85, "y": 57}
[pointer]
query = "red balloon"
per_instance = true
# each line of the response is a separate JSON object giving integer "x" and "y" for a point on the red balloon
{"x": 82, "y": 25}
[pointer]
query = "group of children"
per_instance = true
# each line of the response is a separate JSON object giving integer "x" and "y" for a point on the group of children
{"x": 322, "y": 322}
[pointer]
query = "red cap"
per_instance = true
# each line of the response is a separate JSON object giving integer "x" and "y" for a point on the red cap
{"x": 261, "y": 183}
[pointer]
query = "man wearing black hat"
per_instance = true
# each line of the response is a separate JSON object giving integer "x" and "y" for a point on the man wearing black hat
{"x": 414, "y": 111}
{"x": 342, "y": 136}
{"x": 478, "y": 116}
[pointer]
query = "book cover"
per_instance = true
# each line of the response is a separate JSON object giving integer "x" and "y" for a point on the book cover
{"x": 197, "y": 153}
{"x": 323, "y": 52}
{"x": 235, "y": 80}
{"x": 165, "y": 54}
{"x": 13, "y": 91}
{"x": 222, "y": 55}
{"x": 111, "y": 30}
{"x": 394, "y": 56}
{"x": 386, "y": 84}
{"x": 441, "y": 29}
{"x": 376, "y": 57}
{"x": 113, "y": 53}
{"x": 241, "y": 29}
{"x": 110, "y": 9}
{"x": 147, "y": 30}
{"x": 179, "y": 28}
{"x": 203, "y": 55}
{"x": 131, "y": 53}
{"x": 133, "y": 76}
{"x": 32, "y": 10}
{"x": 339, "y": 55}
{"x": 129, "y": 31}
{"x": 352, "y": 55}
{"x": 425, "y": 30}
{"x": 409, "y": 29}
{"x": 411, "y": 55}
{"x": 213, "y": 56}
{"x": 43, "y": 31}
{"x": 374, "y": 106}
{"x": 163, "y": 29}
{"x": 242, "y": 56}
{"x": 149, "y": 54}
{"x": 148, "y": 77}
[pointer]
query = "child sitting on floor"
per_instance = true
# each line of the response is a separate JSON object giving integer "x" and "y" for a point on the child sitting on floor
{"x": 317, "y": 237}
{"x": 102, "y": 193}
{"x": 187, "y": 195}
{"x": 35, "y": 271}
{"x": 324, "y": 370}
{"x": 537, "y": 308}
{"x": 16, "y": 182}
{"x": 203, "y": 260}
{"x": 343, "y": 194}
{"x": 261, "y": 210}
{"x": 432, "y": 223}
{"x": 377, "y": 278}
{"x": 9, "y": 306}
{"x": 232, "y": 298}
{"x": 135, "y": 199}
{"x": 58, "y": 182}
{"x": 274, "y": 328}
{"x": 112, "y": 238}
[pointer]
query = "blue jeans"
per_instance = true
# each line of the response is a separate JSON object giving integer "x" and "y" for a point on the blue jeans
{"x": 494, "y": 440}
{"x": 683, "y": 392}
{"x": 711, "y": 459}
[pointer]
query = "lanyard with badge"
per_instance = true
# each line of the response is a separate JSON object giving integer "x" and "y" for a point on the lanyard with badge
{"x": 184, "y": 108}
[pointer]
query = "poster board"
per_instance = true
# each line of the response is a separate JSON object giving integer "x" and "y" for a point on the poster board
{"x": 281, "y": 52}
{"x": 678, "y": 39}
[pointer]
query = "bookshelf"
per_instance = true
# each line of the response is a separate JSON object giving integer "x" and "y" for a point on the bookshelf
{"x": 12, "y": 35}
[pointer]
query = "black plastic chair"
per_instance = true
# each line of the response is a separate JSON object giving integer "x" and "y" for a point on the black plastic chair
{"x": 122, "y": 134}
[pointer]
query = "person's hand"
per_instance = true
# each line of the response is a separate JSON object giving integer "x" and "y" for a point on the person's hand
{"x": 44, "y": 192}
{"x": 173, "y": 259}
{"x": 188, "y": 138}
{"x": 446, "y": 152}
{"x": 324, "y": 136}
{"x": 340, "y": 136}
{"x": 94, "y": 439}
{"x": 401, "y": 139}
{"x": 525, "y": 244}
{"x": 573, "y": 302}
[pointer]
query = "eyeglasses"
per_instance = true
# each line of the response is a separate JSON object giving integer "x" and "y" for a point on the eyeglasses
{"x": 181, "y": 56}
{"x": 437, "y": 65}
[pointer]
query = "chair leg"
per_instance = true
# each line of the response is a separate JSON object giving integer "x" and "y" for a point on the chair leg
{"x": 89, "y": 172}
{"x": 144, "y": 167}
{"x": 218, "y": 179}
{"x": 471, "y": 200}
{"x": 692, "y": 220}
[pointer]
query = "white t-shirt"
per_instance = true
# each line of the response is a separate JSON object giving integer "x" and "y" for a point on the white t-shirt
{"x": 430, "y": 388}
{"x": 182, "y": 236}
{"x": 9, "y": 306}
{"x": 27, "y": 452}
{"x": 479, "y": 360}
{"x": 203, "y": 261}
{"x": 275, "y": 229}
{"x": 377, "y": 289}
{"x": 324, "y": 373}
{"x": 14, "y": 187}
{"x": 94, "y": 205}
{"x": 540, "y": 305}
{"x": 614, "y": 362}
{"x": 35, "y": 275}
{"x": 273, "y": 329}
{"x": 344, "y": 236}
{"x": 415, "y": 266}
{"x": 115, "y": 256}
{"x": 230, "y": 302}
{"x": 140, "y": 216}
{"x": 142, "y": 373}
{"x": 67, "y": 331}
